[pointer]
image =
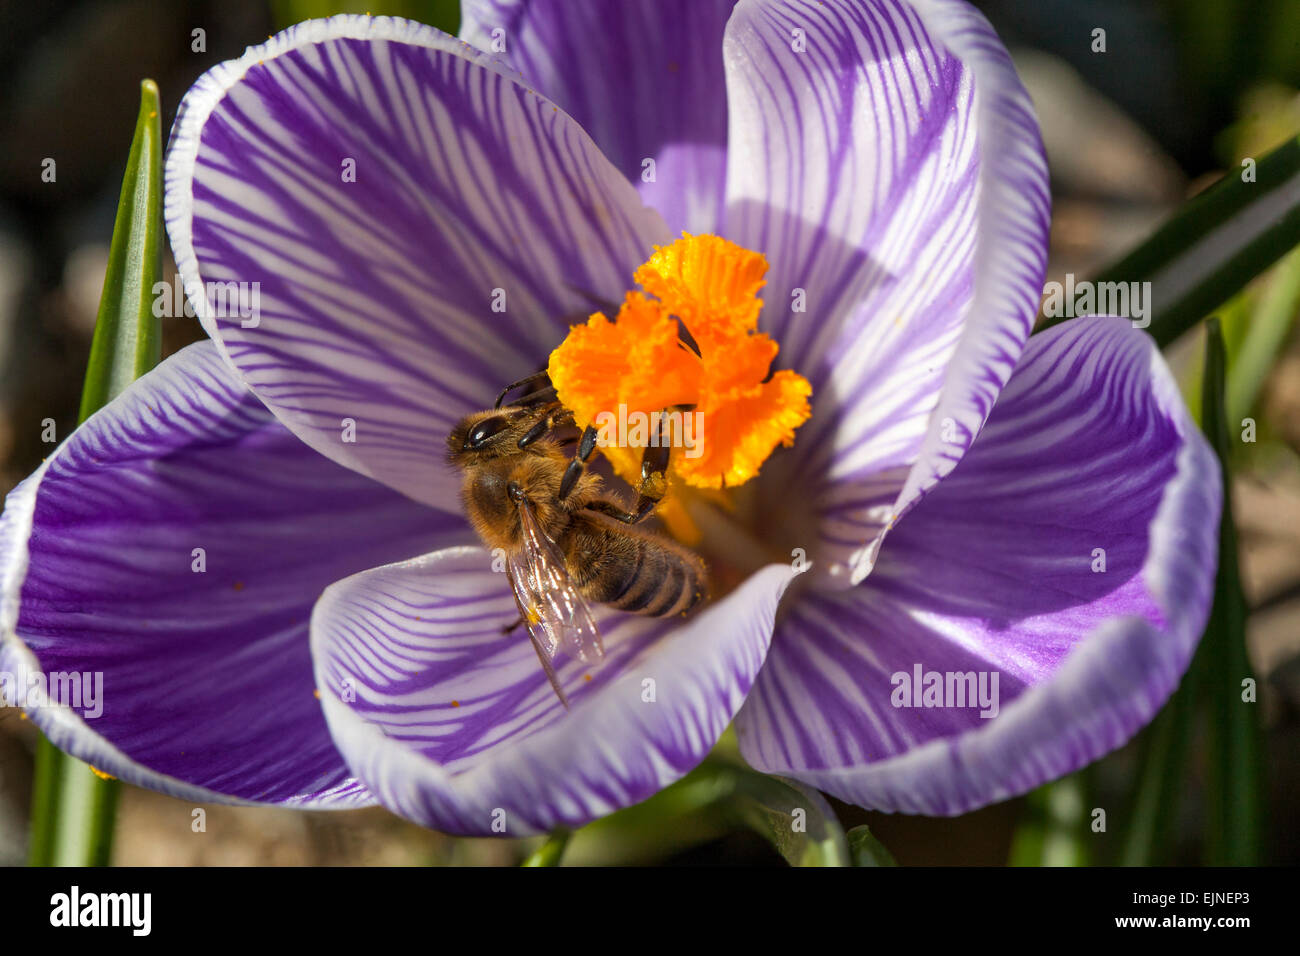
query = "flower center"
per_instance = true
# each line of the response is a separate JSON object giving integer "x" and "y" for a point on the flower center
{"x": 684, "y": 365}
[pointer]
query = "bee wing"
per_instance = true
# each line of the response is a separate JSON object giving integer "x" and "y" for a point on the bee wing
{"x": 543, "y": 654}
{"x": 557, "y": 615}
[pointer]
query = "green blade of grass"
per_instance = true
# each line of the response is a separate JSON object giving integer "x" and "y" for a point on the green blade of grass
{"x": 1234, "y": 776}
{"x": 714, "y": 798}
{"x": 1153, "y": 811}
{"x": 127, "y": 334}
{"x": 1266, "y": 331}
{"x": 552, "y": 849}
{"x": 1215, "y": 244}
{"x": 73, "y": 810}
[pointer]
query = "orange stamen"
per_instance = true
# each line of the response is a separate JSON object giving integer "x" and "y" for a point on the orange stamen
{"x": 639, "y": 363}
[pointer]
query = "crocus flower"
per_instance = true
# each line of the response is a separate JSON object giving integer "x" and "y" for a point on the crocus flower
{"x": 261, "y": 549}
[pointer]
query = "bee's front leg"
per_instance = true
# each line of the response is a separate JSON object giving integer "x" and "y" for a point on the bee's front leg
{"x": 553, "y": 416}
{"x": 529, "y": 380}
{"x": 586, "y": 446}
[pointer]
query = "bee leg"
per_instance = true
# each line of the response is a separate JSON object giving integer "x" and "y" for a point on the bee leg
{"x": 654, "y": 476}
{"x": 586, "y": 445}
{"x": 555, "y": 415}
{"x": 510, "y": 627}
{"x": 652, "y": 487}
{"x": 644, "y": 507}
{"x": 535, "y": 377}
{"x": 542, "y": 395}
{"x": 613, "y": 510}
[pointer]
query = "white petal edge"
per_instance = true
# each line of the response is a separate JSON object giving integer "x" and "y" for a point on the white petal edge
{"x": 1010, "y": 252}
{"x": 951, "y": 776}
{"x": 521, "y": 778}
{"x": 62, "y": 725}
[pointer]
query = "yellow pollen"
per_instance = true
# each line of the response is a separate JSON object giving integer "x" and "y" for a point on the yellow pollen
{"x": 101, "y": 774}
{"x": 640, "y": 363}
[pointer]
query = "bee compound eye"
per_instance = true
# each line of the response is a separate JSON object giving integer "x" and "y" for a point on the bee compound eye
{"x": 484, "y": 430}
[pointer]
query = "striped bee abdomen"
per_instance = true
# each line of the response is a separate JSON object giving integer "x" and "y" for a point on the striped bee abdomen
{"x": 632, "y": 570}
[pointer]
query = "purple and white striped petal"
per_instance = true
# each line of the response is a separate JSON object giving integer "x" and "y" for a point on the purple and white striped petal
{"x": 417, "y": 225}
{"x": 885, "y": 158}
{"x": 451, "y": 723}
{"x": 643, "y": 77}
{"x": 1070, "y": 556}
{"x": 166, "y": 558}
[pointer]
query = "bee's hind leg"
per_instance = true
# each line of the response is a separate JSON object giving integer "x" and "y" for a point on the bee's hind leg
{"x": 653, "y": 485}
{"x": 654, "y": 477}
{"x": 654, "y": 474}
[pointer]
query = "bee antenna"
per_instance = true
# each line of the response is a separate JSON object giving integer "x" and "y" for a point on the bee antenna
{"x": 535, "y": 377}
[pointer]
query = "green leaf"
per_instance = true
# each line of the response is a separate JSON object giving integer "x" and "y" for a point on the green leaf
{"x": 1220, "y": 664}
{"x": 127, "y": 334}
{"x": 1055, "y": 825}
{"x": 710, "y": 800}
{"x": 1266, "y": 332}
{"x": 1153, "y": 809}
{"x": 1234, "y": 777}
{"x": 1215, "y": 244}
{"x": 551, "y": 850}
{"x": 866, "y": 850}
{"x": 797, "y": 820}
{"x": 72, "y": 808}
{"x": 45, "y": 794}
{"x": 443, "y": 14}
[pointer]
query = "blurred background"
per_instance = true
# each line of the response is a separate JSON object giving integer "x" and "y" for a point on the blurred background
{"x": 1183, "y": 92}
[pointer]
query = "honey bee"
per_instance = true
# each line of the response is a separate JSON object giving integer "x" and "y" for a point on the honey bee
{"x": 567, "y": 540}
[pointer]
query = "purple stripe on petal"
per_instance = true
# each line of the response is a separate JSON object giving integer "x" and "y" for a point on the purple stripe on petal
{"x": 1071, "y": 553}
{"x": 1010, "y": 251}
{"x": 451, "y": 723}
{"x": 421, "y": 227}
{"x": 174, "y": 545}
{"x": 885, "y": 158}
{"x": 643, "y": 77}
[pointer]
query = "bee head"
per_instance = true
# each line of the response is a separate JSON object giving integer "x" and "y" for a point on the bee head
{"x": 481, "y": 434}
